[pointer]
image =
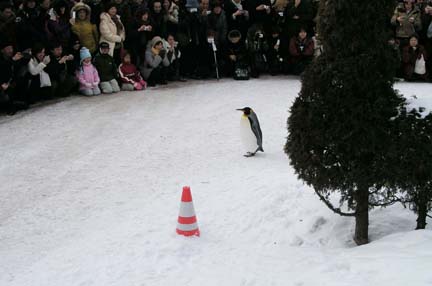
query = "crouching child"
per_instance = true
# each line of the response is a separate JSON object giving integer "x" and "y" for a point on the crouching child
{"x": 87, "y": 75}
{"x": 130, "y": 76}
{"x": 107, "y": 69}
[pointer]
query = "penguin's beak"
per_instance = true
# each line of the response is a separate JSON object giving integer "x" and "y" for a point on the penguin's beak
{"x": 240, "y": 109}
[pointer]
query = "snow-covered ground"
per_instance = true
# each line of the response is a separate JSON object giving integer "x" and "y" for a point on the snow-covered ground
{"x": 90, "y": 192}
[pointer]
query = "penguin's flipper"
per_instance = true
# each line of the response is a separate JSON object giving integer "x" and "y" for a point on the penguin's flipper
{"x": 256, "y": 129}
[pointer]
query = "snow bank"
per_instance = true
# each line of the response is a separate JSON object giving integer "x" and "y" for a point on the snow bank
{"x": 91, "y": 192}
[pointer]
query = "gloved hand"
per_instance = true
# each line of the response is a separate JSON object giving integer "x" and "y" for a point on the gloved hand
{"x": 162, "y": 53}
{"x": 46, "y": 60}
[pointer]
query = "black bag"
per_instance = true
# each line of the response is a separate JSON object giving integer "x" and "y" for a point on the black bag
{"x": 241, "y": 72}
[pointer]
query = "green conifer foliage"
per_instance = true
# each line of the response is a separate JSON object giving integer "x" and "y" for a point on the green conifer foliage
{"x": 340, "y": 124}
{"x": 413, "y": 155}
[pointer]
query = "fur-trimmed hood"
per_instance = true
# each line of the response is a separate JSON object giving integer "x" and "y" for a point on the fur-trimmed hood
{"x": 81, "y": 6}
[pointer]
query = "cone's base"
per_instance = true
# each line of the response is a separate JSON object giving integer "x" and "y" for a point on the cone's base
{"x": 195, "y": 232}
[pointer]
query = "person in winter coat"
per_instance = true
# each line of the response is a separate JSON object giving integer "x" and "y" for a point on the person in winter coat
{"x": 154, "y": 68}
{"x": 59, "y": 28}
{"x": 139, "y": 34}
{"x": 61, "y": 81}
{"x": 87, "y": 75}
{"x": 124, "y": 11}
{"x": 414, "y": 57}
{"x": 40, "y": 85}
{"x": 301, "y": 49}
{"x": 27, "y": 29}
{"x": 237, "y": 56}
{"x": 298, "y": 15}
{"x": 258, "y": 48}
{"x": 112, "y": 31}
{"x": 216, "y": 22}
{"x": 82, "y": 27}
{"x": 9, "y": 100}
{"x": 173, "y": 56}
{"x": 275, "y": 58}
{"x": 130, "y": 76}
{"x": 171, "y": 11}
{"x": 260, "y": 13}
{"x": 407, "y": 20}
{"x": 107, "y": 69}
{"x": 158, "y": 18}
{"x": 237, "y": 16}
{"x": 8, "y": 22}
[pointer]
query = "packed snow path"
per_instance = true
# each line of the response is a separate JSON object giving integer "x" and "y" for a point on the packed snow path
{"x": 91, "y": 189}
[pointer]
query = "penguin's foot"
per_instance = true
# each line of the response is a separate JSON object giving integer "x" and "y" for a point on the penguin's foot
{"x": 249, "y": 154}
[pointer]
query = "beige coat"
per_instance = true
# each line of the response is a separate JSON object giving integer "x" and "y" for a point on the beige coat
{"x": 108, "y": 32}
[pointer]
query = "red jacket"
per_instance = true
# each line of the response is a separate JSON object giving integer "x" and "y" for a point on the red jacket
{"x": 301, "y": 49}
{"x": 129, "y": 73}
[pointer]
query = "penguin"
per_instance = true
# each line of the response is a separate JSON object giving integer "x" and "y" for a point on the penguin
{"x": 250, "y": 132}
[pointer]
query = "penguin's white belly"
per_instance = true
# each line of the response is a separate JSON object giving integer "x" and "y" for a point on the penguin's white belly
{"x": 247, "y": 136}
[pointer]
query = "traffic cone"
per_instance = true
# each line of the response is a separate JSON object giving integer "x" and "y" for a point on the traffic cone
{"x": 187, "y": 223}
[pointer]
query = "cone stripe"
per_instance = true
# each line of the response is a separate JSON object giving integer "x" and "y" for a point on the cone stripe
{"x": 188, "y": 233}
{"x": 187, "y": 220}
{"x": 187, "y": 227}
{"x": 187, "y": 209}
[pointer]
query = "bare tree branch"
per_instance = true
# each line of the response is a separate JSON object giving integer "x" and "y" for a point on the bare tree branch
{"x": 331, "y": 207}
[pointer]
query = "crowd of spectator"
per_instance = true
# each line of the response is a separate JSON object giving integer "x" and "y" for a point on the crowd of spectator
{"x": 52, "y": 48}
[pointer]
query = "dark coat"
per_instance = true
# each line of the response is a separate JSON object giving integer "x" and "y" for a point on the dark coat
{"x": 240, "y": 22}
{"x": 106, "y": 67}
{"x": 409, "y": 58}
{"x": 6, "y": 70}
{"x": 301, "y": 50}
{"x": 217, "y": 25}
{"x": 305, "y": 16}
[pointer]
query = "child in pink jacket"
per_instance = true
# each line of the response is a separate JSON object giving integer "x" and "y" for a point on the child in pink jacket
{"x": 87, "y": 75}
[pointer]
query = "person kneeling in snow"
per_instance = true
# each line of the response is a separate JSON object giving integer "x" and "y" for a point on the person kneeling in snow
{"x": 107, "y": 69}
{"x": 87, "y": 74}
{"x": 129, "y": 75}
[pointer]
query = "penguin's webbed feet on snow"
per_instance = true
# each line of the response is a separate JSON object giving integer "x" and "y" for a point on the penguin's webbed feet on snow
{"x": 249, "y": 154}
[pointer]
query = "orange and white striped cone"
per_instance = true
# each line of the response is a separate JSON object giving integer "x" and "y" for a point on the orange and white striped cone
{"x": 187, "y": 223}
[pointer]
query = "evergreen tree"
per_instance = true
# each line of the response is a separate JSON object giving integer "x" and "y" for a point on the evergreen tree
{"x": 413, "y": 154}
{"x": 340, "y": 124}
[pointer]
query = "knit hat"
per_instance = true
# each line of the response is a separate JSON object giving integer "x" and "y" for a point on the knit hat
{"x": 84, "y": 54}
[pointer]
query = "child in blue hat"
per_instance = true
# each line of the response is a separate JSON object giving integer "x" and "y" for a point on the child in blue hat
{"x": 87, "y": 74}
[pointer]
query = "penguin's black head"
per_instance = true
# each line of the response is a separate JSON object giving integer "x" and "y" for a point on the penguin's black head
{"x": 246, "y": 110}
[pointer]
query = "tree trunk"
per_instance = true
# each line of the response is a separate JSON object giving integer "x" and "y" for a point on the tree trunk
{"x": 422, "y": 214}
{"x": 362, "y": 216}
